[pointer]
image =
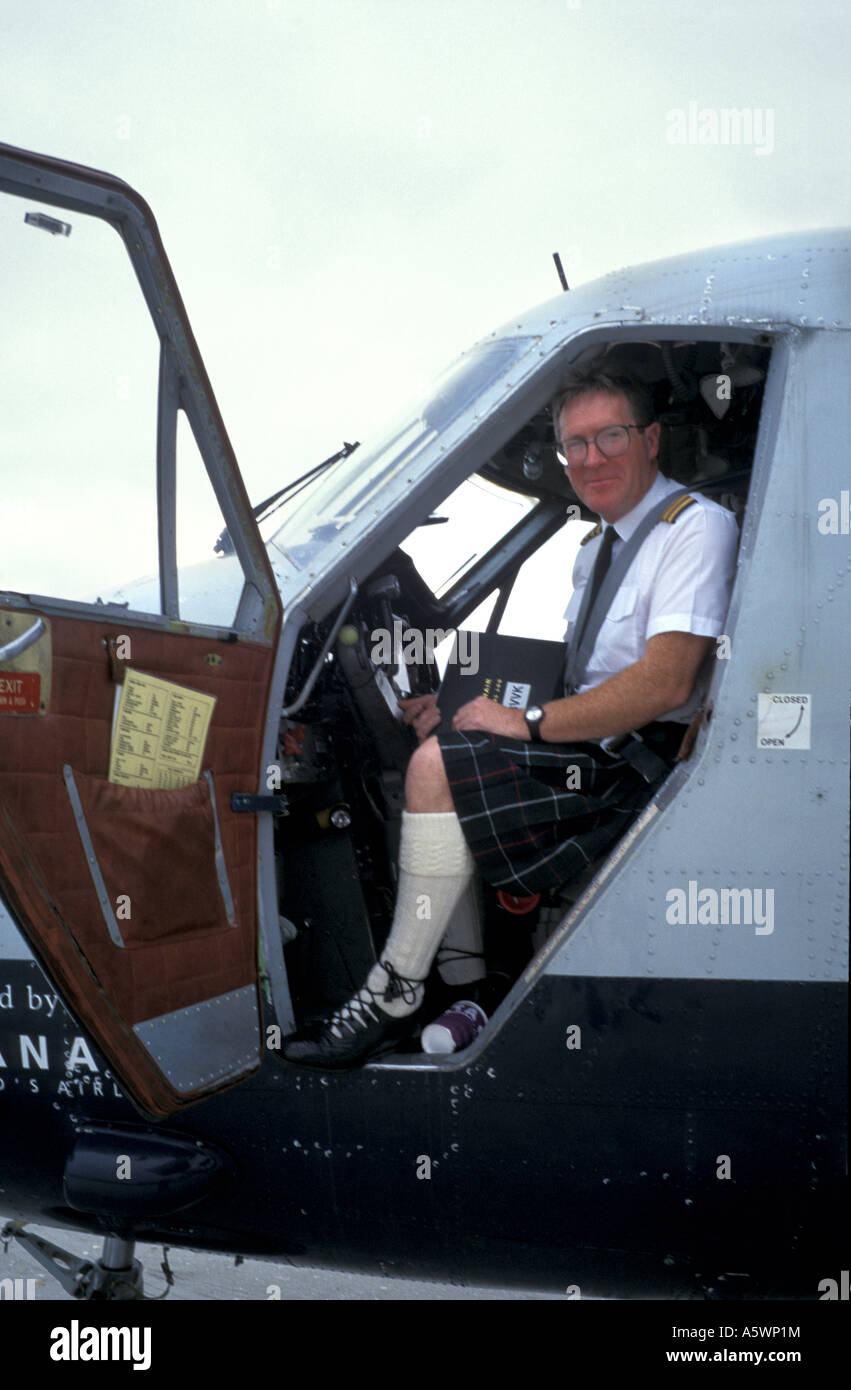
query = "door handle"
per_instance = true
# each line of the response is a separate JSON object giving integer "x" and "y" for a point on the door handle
{"x": 20, "y": 644}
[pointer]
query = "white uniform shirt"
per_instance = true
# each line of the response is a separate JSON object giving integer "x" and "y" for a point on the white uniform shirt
{"x": 680, "y": 581}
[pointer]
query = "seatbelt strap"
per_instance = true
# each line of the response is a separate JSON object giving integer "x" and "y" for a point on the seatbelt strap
{"x": 578, "y": 655}
{"x": 643, "y": 759}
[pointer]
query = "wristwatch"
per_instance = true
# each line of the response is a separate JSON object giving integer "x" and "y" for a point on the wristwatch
{"x": 534, "y": 716}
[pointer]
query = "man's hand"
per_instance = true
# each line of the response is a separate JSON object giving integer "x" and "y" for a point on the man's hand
{"x": 491, "y": 718}
{"x": 421, "y": 713}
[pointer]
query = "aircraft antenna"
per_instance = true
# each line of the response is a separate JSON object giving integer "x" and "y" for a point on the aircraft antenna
{"x": 560, "y": 269}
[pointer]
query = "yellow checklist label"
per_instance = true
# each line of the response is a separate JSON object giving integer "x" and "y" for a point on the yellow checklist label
{"x": 159, "y": 733}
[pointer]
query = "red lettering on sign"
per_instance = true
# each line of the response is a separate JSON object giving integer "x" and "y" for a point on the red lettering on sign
{"x": 20, "y": 692}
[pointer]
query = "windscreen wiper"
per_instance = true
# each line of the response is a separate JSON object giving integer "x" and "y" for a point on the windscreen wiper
{"x": 224, "y": 544}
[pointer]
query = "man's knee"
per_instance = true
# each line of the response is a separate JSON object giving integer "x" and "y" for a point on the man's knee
{"x": 427, "y": 762}
{"x": 426, "y": 785}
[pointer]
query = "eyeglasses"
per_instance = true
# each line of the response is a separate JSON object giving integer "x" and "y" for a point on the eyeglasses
{"x": 611, "y": 442}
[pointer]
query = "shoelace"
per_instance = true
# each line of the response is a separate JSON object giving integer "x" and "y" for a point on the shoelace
{"x": 399, "y": 986}
{"x": 353, "y": 1015}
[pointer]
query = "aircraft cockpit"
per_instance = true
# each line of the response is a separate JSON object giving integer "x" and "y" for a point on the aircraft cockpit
{"x": 494, "y": 554}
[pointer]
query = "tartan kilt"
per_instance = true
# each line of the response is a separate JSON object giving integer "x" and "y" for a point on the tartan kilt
{"x": 526, "y": 831}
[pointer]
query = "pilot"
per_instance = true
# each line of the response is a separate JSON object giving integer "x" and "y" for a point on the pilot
{"x": 499, "y": 793}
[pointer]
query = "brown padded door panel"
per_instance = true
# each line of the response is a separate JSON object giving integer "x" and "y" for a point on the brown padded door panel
{"x": 166, "y": 964}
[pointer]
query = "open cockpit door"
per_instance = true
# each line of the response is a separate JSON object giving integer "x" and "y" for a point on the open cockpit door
{"x": 127, "y": 726}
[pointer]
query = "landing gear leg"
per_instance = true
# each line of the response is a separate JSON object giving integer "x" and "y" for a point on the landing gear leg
{"x": 121, "y": 1275}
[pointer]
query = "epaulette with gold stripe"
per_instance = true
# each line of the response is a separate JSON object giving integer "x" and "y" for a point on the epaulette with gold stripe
{"x": 591, "y": 534}
{"x": 676, "y": 508}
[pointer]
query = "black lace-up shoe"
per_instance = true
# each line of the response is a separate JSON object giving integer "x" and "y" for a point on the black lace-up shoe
{"x": 355, "y": 1031}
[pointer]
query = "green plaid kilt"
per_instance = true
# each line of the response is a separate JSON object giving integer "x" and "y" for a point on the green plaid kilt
{"x": 526, "y": 831}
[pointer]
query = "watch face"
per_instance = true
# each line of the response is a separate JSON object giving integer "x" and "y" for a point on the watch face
{"x": 535, "y": 714}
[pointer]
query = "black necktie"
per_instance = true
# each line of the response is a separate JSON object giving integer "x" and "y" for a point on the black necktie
{"x": 601, "y": 564}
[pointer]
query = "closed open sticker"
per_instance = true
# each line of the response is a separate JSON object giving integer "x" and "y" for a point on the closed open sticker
{"x": 783, "y": 721}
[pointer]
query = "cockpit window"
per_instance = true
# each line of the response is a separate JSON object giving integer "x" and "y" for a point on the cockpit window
{"x": 78, "y": 407}
{"x": 469, "y": 523}
{"x": 356, "y": 483}
{"x": 86, "y": 408}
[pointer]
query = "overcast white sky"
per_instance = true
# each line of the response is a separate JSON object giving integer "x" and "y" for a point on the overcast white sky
{"x": 350, "y": 191}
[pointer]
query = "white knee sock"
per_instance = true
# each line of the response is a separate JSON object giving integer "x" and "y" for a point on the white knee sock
{"x": 435, "y": 866}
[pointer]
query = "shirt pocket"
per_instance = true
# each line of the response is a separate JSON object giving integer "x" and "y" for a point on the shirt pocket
{"x": 620, "y": 640}
{"x": 623, "y": 604}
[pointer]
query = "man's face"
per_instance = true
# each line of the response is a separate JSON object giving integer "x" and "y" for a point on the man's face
{"x": 611, "y": 487}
